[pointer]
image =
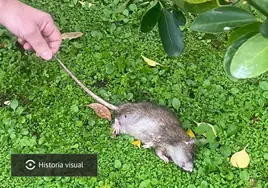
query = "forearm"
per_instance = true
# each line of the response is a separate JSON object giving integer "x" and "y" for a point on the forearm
{"x": 2, "y": 7}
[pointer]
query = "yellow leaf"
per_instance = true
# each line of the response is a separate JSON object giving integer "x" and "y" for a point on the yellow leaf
{"x": 240, "y": 159}
{"x": 105, "y": 186}
{"x": 81, "y": 2}
{"x": 71, "y": 35}
{"x": 136, "y": 143}
{"x": 190, "y": 133}
{"x": 89, "y": 4}
{"x": 150, "y": 62}
{"x": 196, "y": 1}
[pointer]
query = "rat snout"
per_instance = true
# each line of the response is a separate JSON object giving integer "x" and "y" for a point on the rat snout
{"x": 187, "y": 166}
{"x": 188, "y": 169}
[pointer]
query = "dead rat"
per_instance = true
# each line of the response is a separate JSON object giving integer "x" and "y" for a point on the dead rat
{"x": 153, "y": 125}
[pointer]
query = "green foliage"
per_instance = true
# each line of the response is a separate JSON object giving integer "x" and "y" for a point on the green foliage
{"x": 171, "y": 36}
{"x": 264, "y": 29}
{"x": 168, "y": 26}
{"x": 180, "y": 19}
{"x": 51, "y": 117}
{"x": 215, "y": 16}
{"x": 244, "y": 31}
{"x": 231, "y": 51}
{"x": 222, "y": 19}
{"x": 200, "y": 8}
{"x": 250, "y": 60}
{"x": 260, "y": 5}
{"x": 151, "y": 17}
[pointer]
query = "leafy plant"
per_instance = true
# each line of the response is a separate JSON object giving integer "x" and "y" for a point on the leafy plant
{"x": 56, "y": 119}
{"x": 247, "y": 44}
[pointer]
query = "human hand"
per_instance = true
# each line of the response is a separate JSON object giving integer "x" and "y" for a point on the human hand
{"x": 35, "y": 29}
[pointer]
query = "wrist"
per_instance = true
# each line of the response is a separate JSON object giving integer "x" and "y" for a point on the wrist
{"x": 6, "y": 6}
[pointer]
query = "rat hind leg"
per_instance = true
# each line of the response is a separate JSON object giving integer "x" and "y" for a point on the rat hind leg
{"x": 160, "y": 153}
{"x": 116, "y": 127}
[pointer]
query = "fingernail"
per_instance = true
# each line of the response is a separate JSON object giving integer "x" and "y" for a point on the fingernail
{"x": 47, "y": 55}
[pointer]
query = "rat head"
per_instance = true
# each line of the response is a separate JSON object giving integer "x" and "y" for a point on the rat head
{"x": 127, "y": 118}
{"x": 183, "y": 155}
{"x": 128, "y": 113}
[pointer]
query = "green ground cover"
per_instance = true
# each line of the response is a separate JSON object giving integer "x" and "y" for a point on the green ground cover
{"x": 50, "y": 116}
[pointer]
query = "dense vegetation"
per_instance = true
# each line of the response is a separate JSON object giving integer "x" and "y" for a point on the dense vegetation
{"x": 50, "y": 116}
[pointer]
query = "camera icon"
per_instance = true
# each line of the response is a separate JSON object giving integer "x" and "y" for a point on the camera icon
{"x": 30, "y": 164}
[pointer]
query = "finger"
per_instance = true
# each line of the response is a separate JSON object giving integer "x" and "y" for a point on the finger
{"x": 21, "y": 41}
{"x": 39, "y": 44}
{"x": 27, "y": 46}
{"x": 53, "y": 36}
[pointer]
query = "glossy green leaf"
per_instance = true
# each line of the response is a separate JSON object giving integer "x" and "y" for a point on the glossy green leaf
{"x": 264, "y": 29}
{"x": 265, "y": 94}
{"x": 109, "y": 68}
{"x": 232, "y": 129}
{"x": 260, "y": 5}
{"x": 123, "y": 6}
{"x": 78, "y": 45}
{"x": 265, "y": 156}
{"x": 244, "y": 176}
{"x": 19, "y": 110}
{"x": 117, "y": 163}
{"x": 222, "y": 19}
{"x": 14, "y": 104}
{"x": 223, "y": 2}
{"x": 179, "y": 3}
{"x": 231, "y": 52}
{"x": 264, "y": 85}
{"x": 250, "y": 60}
{"x": 225, "y": 151}
{"x": 179, "y": 17}
{"x": 24, "y": 131}
{"x": 200, "y": 8}
{"x": 176, "y": 103}
{"x": 41, "y": 140}
{"x": 151, "y": 17}
{"x": 196, "y": 1}
{"x": 74, "y": 108}
{"x": 170, "y": 34}
{"x": 254, "y": 27}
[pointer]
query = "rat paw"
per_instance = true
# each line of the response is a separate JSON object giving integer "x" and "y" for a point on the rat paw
{"x": 165, "y": 159}
{"x": 116, "y": 128}
{"x": 160, "y": 154}
{"x": 148, "y": 145}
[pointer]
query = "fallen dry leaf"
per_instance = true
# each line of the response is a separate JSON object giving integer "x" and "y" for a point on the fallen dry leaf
{"x": 3, "y": 45}
{"x": 7, "y": 103}
{"x": 150, "y": 62}
{"x": 190, "y": 133}
{"x": 101, "y": 110}
{"x": 71, "y": 35}
{"x": 136, "y": 143}
{"x": 240, "y": 159}
{"x": 252, "y": 182}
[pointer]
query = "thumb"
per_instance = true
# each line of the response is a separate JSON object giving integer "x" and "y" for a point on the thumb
{"x": 39, "y": 44}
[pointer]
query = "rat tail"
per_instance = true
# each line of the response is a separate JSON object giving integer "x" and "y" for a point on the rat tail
{"x": 97, "y": 98}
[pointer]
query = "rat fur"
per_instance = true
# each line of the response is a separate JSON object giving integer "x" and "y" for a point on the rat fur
{"x": 153, "y": 125}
